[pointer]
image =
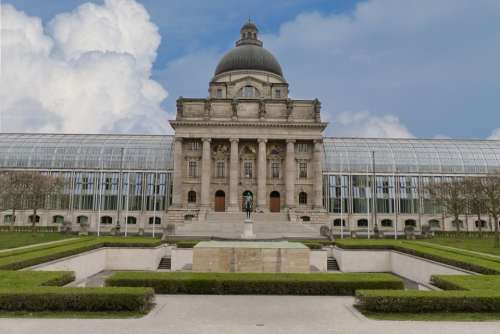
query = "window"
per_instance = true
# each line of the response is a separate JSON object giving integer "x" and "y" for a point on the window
{"x": 277, "y": 93}
{"x": 106, "y": 220}
{"x": 339, "y": 222}
{"x": 482, "y": 222}
{"x": 302, "y": 147}
{"x": 220, "y": 169}
{"x": 193, "y": 168}
{"x": 410, "y": 222}
{"x": 131, "y": 220}
{"x": 363, "y": 223}
{"x": 8, "y": 219}
{"x": 219, "y": 93}
{"x": 37, "y": 219}
{"x": 305, "y": 218}
{"x": 302, "y": 198}
{"x": 108, "y": 183}
{"x": 302, "y": 169}
{"x": 275, "y": 170}
{"x": 386, "y": 223}
{"x": 192, "y": 196}
{"x": 85, "y": 183}
{"x": 157, "y": 220}
{"x": 195, "y": 146}
{"x": 82, "y": 219}
{"x": 249, "y": 91}
{"x": 247, "y": 169}
{"x": 460, "y": 223}
{"x": 57, "y": 219}
{"x": 434, "y": 223}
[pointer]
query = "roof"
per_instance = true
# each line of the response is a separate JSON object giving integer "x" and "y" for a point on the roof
{"x": 439, "y": 156}
{"x": 249, "y": 57}
{"x": 84, "y": 151}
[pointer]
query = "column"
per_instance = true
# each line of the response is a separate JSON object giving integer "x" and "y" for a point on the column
{"x": 234, "y": 173}
{"x": 318, "y": 174}
{"x": 177, "y": 191}
{"x": 205, "y": 173}
{"x": 261, "y": 175}
{"x": 290, "y": 173}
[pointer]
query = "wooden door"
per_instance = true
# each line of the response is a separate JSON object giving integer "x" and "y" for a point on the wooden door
{"x": 220, "y": 201}
{"x": 274, "y": 202}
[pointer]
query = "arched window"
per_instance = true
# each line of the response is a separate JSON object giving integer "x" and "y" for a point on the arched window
{"x": 192, "y": 196}
{"x": 338, "y": 222}
{"x": 302, "y": 198}
{"x": 37, "y": 219}
{"x": 249, "y": 91}
{"x": 386, "y": 223}
{"x": 131, "y": 220}
{"x": 482, "y": 222}
{"x": 57, "y": 219}
{"x": 434, "y": 223}
{"x": 106, "y": 220}
{"x": 363, "y": 223}
{"x": 459, "y": 222}
{"x": 82, "y": 219}
{"x": 157, "y": 220}
{"x": 8, "y": 219}
{"x": 410, "y": 222}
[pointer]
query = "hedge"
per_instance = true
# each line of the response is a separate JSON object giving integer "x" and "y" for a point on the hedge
{"x": 255, "y": 283}
{"x": 467, "y": 282}
{"x": 20, "y": 279}
{"x": 467, "y": 261}
{"x": 428, "y": 301}
{"x": 76, "y": 299}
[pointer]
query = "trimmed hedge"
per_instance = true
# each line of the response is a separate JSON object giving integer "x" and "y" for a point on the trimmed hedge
{"x": 255, "y": 283}
{"x": 76, "y": 299}
{"x": 467, "y": 261}
{"x": 467, "y": 282}
{"x": 428, "y": 301}
{"x": 22, "y": 279}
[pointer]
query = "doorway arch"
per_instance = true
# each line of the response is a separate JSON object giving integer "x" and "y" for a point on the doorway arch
{"x": 274, "y": 202}
{"x": 220, "y": 201}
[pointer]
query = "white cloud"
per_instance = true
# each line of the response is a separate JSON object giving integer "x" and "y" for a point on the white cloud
{"x": 495, "y": 135}
{"x": 89, "y": 73}
{"x": 364, "y": 124}
{"x": 433, "y": 64}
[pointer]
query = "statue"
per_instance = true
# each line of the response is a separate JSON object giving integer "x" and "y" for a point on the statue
{"x": 248, "y": 204}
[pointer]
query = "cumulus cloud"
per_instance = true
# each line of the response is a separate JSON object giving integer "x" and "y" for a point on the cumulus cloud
{"x": 495, "y": 135}
{"x": 88, "y": 71}
{"x": 364, "y": 124}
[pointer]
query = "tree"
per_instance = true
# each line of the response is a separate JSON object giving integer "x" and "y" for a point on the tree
{"x": 40, "y": 187}
{"x": 450, "y": 195}
{"x": 491, "y": 191}
{"x": 475, "y": 199}
{"x": 14, "y": 188}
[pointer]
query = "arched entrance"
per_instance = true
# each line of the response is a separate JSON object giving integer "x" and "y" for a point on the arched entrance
{"x": 243, "y": 195}
{"x": 220, "y": 201}
{"x": 274, "y": 201}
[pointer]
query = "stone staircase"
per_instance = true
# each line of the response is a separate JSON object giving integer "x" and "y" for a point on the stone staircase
{"x": 165, "y": 263}
{"x": 230, "y": 225}
{"x": 331, "y": 264}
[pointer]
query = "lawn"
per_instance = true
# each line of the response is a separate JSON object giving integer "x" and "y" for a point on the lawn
{"x": 484, "y": 245}
{"x": 18, "y": 239}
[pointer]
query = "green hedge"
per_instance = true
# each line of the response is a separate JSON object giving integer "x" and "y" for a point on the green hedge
{"x": 20, "y": 279}
{"x": 467, "y": 282}
{"x": 255, "y": 283}
{"x": 76, "y": 299}
{"x": 428, "y": 301}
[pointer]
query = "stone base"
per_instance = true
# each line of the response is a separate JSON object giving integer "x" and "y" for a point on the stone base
{"x": 245, "y": 256}
{"x": 248, "y": 230}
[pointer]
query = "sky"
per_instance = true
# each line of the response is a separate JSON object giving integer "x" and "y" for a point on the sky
{"x": 381, "y": 68}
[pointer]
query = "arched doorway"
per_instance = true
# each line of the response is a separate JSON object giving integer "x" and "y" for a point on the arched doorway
{"x": 220, "y": 201}
{"x": 243, "y": 195}
{"x": 274, "y": 202}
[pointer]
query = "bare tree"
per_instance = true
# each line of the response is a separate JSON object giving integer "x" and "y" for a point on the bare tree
{"x": 475, "y": 199}
{"x": 14, "y": 188}
{"x": 491, "y": 191}
{"x": 450, "y": 195}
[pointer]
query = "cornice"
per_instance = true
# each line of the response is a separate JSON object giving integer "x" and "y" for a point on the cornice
{"x": 176, "y": 123}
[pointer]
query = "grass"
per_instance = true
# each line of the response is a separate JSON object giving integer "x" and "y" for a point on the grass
{"x": 464, "y": 282}
{"x": 483, "y": 245}
{"x": 24, "y": 279}
{"x": 435, "y": 316}
{"x": 18, "y": 239}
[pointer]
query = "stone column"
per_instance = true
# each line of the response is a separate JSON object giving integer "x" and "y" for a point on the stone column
{"x": 206, "y": 164}
{"x": 318, "y": 174}
{"x": 261, "y": 175}
{"x": 177, "y": 191}
{"x": 290, "y": 173}
{"x": 234, "y": 173}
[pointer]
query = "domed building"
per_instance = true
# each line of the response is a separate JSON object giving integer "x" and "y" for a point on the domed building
{"x": 247, "y": 138}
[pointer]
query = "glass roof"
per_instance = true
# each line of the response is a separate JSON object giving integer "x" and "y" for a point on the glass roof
{"x": 427, "y": 156}
{"x": 83, "y": 151}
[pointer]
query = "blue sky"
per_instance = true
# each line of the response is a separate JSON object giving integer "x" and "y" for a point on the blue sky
{"x": 382, "y": 68}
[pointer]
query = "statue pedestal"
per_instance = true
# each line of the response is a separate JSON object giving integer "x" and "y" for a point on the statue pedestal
{"x": 248, "y": 230}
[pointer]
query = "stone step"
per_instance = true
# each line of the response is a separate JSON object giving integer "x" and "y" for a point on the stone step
{"x": 165, "y": 263}
{"x": 332, "y": 264}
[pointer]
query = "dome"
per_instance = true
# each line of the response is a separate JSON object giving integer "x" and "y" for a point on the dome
{"x": 249, "y": 54}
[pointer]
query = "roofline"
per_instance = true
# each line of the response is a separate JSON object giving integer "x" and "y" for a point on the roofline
{"x": 418, "y": 139}
{"x": 86, "y": 134}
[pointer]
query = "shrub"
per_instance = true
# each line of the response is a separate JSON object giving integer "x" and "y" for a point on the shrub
{"x": 255, "y": 283}
{"x": 20, "y": 279}
{"x": 76, "y": 299}
{"x": 428, "y": 301}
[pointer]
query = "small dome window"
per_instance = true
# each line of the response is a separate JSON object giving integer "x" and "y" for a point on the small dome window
{"x": 249, "y": 91}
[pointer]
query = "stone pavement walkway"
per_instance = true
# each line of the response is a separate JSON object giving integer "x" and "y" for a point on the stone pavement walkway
{"x": 188, "y": 314}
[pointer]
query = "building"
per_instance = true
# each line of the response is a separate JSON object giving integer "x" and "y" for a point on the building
{"x": 246, "y": 137}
